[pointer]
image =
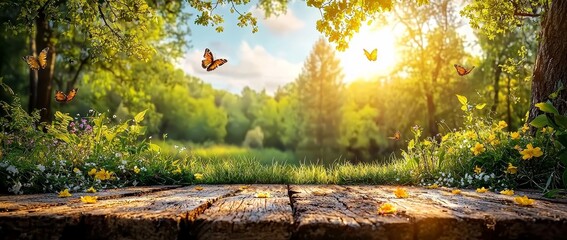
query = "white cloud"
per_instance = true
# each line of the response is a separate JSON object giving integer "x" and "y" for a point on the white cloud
{"x": 282, "y": 24}
{"x": 255, "y": 67}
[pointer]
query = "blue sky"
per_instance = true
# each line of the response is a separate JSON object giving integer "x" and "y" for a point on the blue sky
{"x": 266, "y": 59}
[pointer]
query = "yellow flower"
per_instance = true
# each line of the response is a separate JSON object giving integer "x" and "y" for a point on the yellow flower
{"x": 89, "y": 199}
{"x": 531, "y": 152}
{"x": 198, "y": 176}
{"x": 525, "y": 128}
{"x": 263, "y": 195}
{"x": 444, "y": 138}
{"x": 401, "y": 193}
{"x": 176, "y": 171}
{"x": 524, "y": 201}
{"x": 198, "y": 188}
{"x": 492, "y": 139}
{"x": 91, "y": 190}
{"x": 547, "y": 130}
{"x": 471, "y": 135}
{"x": 502, "y": 125}
{"x": 456, "y": 191}
{"x": 427, "y": 143}
{"x": 136, "y": 169}
{"x": 76, "y": 170}
{"x": 517, "y": 147}
{"x": 103, "y": 175}
{"x": 65, "y": 193}
{"x": 92, "y": 172}
{"x": 478, "y": 149}
{"x": 477, "y": 169}
{"x": 507, "y": 192}
{"x": 481, "y": 190}
{"x": 387, "y": 208}
{"x": 515, "y": 135}
{"x": 512, "y": 169}
{"x": 433, "y": 186}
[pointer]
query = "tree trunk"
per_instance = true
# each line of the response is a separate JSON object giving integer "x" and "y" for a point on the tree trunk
{"x": 497, "y": 73}
{"x": 45, "y": 76}
{"x": 509, "y": 102}
{"x": 33, "y": 80}
{"x": 551, "y": 62}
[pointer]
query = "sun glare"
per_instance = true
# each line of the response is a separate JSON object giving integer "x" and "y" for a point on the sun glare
{"x": 354, "y": 62}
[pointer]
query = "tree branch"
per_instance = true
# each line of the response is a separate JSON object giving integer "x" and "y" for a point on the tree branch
{"x": 523, "y": 14}
{"x": 108, "y": 25}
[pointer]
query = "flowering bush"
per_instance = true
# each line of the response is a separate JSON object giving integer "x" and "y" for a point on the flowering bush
{"x": 79, "y": 153}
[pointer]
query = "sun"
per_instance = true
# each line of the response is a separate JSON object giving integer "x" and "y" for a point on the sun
{"x": 354, "y": 62}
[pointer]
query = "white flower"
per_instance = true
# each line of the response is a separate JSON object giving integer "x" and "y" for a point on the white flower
{"x": 123, "y": 162}
{"x": 62, "y": 162}
{"x": 176, "y": 147}
{"x": 134, "y": 183}
{"x": 41, "y": 167}
{"x": 16, "y": 188}
{"x": 12, "y": 169}
{"x": 118, "y": 155}
{"x": 114, "y": 116}
{"x": 3, "y": 164}
{"x": 143, "y": 169}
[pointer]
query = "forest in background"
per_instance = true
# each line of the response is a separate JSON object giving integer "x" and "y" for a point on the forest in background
{"x": 315, "y": 116}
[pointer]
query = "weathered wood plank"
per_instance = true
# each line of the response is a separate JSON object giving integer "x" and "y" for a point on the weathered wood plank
{"x": 426, "y": 214}
{"x": 158, "y": 215}
{"x": 22, "y": 202}
{"x": 243, "y": 216}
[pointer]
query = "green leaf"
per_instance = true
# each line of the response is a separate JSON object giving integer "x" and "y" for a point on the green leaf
{"x": 561, "y": 120}
{"x": 411, "y": 145}
{"x": 480, "y": 106}
{"x": 462, "y": 99}
{"x": 540, "y": 121}
{"x": 547, "y": 107}
{"x": 562, "y": 138}
{"x": 563, "y": 157}
{"x": 140, "y": 116}
{"x": 551, "y": 193}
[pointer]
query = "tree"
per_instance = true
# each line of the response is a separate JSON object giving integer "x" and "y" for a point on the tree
{"x": 494, "y": 17}
{"x": 320, "y": 96}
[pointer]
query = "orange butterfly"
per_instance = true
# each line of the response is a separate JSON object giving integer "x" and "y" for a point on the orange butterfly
{"x": 462, "y": 71}
{"x": 65, "y": 98}
{"x": 210, "y": 63}
{"x": 40, "y": 61}
{"x": 396, "y": 136}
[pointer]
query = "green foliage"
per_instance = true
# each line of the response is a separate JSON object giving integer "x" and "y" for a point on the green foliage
{"x": 254, "y": 138}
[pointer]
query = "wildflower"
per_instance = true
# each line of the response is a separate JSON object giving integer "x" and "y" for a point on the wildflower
{"x": 478, "y": 149}
{"x": 445, "y": 138}
{"x": 507, "y": 192}
{"x": 512, "y": 169}
{"x": 387, "y": 208}
{"x": 65, "y": 193}
{"x": 76, "y": 170}
{"x": 433, "y": 186}
{"x": 427, "y": 143}
{"x": 481, "y": 190}
{"x": 525, "y": 128}
{"x": 515, "y": 135}
{"x": 92, "y": 172}
{"x": 136, "y": 169}
{"x": 502, "y": 125}
{"x": 41, "y": 167}
{"x": 456, "y": 191}
{"x": 524, "y": 201}
{"x": 89, "y": 199}
{"x": 477, "y": 169}
{"x": 263, "y": 195}
{"x": 198, "y": 188}
{"x": 12, "y": 169}
{"x": 517, "y": 147}
{"x": 401, "y": 193}
{"x": 176, "y": 171}
{"x": 103, "y": 174}
{"x": 471, "y": 135}
{"x": 91, "y": 190}
{"x": 547, "y": 130}
{"x": 531, "y": 152}
{"x": 198, "y": 176}
{"x": 492, "y": 139}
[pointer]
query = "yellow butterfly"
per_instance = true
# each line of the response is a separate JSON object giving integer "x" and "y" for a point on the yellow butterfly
{"x": 210, "y": 63}
{"x": 40, "y": 61}
{"x": 371, "y": 56}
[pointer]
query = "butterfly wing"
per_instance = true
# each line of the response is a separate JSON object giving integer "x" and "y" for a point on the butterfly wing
{"x": 42, "y": 59}
{"x": 32, "y": 62}
{"x": 71, "y": 94}
{"x": 208, "y": 59}
{"x": 60, "y": 96}
{"x": 216, "y": 63}
{"x": 396, "y": 136}
{"x": 371, "y": 56}
{"x": 462, "y": 71}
